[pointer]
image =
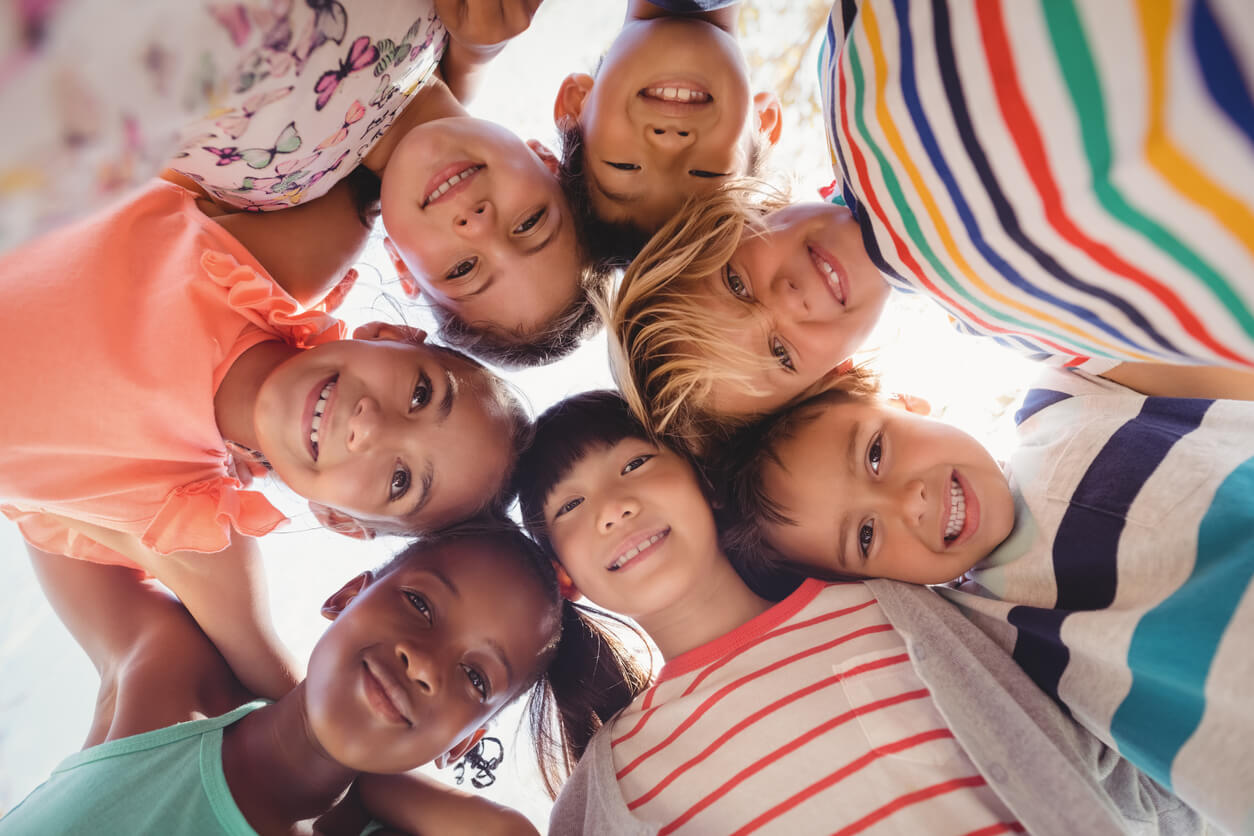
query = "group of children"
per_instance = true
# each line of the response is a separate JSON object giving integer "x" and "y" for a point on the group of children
{"x": 866, "y": 621}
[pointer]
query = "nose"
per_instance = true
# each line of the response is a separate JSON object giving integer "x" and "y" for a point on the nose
{"x": 421, "y": 668}
{"x": 788, "y": 298}
{"x": 363, "y": 424}
{"x": 914, "y": 501}
{"x": 617, "y": 511}
{"x": 669, "y": 137}
{"x": 474, "y": 218}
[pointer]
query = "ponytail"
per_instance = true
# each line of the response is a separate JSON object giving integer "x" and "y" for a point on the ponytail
{"x": 593, "y": 675}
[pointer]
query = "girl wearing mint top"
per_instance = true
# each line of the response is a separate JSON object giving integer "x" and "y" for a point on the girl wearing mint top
{"x": 420, "y": 655}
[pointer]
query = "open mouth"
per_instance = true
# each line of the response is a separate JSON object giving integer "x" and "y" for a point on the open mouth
{"x": 452, "y": 179}
{"x": 638, "y": 549}
{"x": 833, "y": 275}
{"x": 315, "y": 418}
{"x": 678, "y": 92}
{"x": 963, "y": 511}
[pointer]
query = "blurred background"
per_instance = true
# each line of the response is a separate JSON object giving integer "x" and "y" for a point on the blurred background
{"x": 47, "y": 690}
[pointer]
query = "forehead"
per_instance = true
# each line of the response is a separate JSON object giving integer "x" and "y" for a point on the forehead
{"x": 599, "y": 458}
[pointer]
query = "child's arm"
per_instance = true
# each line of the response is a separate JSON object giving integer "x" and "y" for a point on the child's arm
{"x": 478, "y": 31}
{"x": 225, "y": 593}
{"x": 1161, "y": 380}
{"x": 724, "y": 18}
{"x": 415, "y": 803}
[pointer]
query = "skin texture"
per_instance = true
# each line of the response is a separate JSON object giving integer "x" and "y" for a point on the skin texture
{"x": 779, "y": 304}
{"x": 500, "y": 246}
{"x": 682, "y": 590}
{"x": 644, "y": 156}
{"x": 865, "y": 476}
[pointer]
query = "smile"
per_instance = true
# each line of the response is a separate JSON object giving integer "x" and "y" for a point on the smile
{"x": 315, "y": 420}
{"x": 682, "y": 93}
{"x": 962, "y": 512}
{"x": 832, "y": 274}
{"x": 448, "y": 182}
{"x": 385, "y": 695}
{"x": 957, "y": 510}
{"x": 636, "y": 550}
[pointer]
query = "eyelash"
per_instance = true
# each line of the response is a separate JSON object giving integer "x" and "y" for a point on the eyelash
{"x": 568, "y": 506}
{"x": 420, "y": 604}
{"x": 623, "y": 166}
{"x": 866, "y": 536}
{"x": 780, "y": 352}
{"x": 732, "y": 279}
{"x": 636, "y": 463}
{"x": 696, "y": 172}
{"x": 531, "y": 223}
{"x": 462, "y": 268}
{"x": 477, "y": 680}
{"x": 400, "y": 483}
{"x": 875, "y": 453}
{"x": 421, "y": 395}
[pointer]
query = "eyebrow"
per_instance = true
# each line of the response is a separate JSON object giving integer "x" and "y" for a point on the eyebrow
{"x": 450, "y": 394}
{"x": 621, "y": 198}
{"x": 427, "y": 479}
{"x": 503, "y": 658}
{"x": 851, "y": 454}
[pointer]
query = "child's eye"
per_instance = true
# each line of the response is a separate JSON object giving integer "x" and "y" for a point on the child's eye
{"x": 875, "y": 452}
{"x": 636, "y": 463}
{"x": 420, "y": 604}
{"x": 734, "y": 283}
{"x": 400, "y": 483}
{"x": 781, "y": 354}
{"x": 696, "y": 172}
{"x": 866, "y": 535}
{"x": 462, "y": 268}
{"x": 421, "y": 395}
{"x": 623, "y": 166}
{"x": 568, "y": 506}
{"x": 531, "y": 222}
{"x": 478, "y": 681}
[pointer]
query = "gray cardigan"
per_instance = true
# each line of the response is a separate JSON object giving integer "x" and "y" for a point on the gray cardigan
{"x": 1054, "y": 775}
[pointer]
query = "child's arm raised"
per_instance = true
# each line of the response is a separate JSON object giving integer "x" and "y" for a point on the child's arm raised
{"x": 724, "y": 18}
{"x": 225, "y": 593}
{"x": 415, "y": 803}
{"x": 1161, "y": 380}
{"x": 478, "y": 31}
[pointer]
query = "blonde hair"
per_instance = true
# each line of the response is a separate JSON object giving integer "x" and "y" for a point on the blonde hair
{"x": 666, "y": 345}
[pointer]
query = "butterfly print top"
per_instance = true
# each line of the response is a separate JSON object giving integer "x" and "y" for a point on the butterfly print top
{"x": 324, "y": 82}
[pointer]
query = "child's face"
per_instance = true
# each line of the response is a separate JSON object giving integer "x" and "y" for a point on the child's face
{"x": 630, "y": 525}
{"x": 384, "y": 430}
{"x": 878, "y": 492}
{"x": 803, "y": 297}
{"x": 646, "y": 148}
{"x": 423, "y": 656}
{"x": 498, "y": 245}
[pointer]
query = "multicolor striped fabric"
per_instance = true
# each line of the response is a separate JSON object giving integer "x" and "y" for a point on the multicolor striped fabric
{"x": 809, "y": 719}
{"x": 1075, "y": 180}
{"x": 1126, "y": 590}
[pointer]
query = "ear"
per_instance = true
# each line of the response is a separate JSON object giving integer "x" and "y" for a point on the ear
{"x": 910, "y": 403}
{"x": 340, "y": 522}
{"x": 546, "y": 156}
{"x": 336, "y": 604}
{"x": 389, "y": 332}
{"x": 570, "y": 97}
{"x": 770, "y": 117}
{"x": 408, "y": 283}
{"x": 565, "y": 586}
{"x": 460, "y": 748}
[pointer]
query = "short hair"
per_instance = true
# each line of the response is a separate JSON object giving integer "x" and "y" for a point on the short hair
{"x": 745, "y": 508}
{"x": 617, "y": 242}
{"x": 564, "y": 434}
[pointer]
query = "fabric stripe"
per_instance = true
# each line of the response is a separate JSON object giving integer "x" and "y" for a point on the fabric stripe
{"x": 1220, "y": 71}
{"x": 1171, "y": 705}
{"x": 1037, "y": 399}
{"x": 908, "y": 799}
{"x": 1000, "y": 827}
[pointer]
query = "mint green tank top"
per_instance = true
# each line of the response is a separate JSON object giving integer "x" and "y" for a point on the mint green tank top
{"x": 169, "y": 781}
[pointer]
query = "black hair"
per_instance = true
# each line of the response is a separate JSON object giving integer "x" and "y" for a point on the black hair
{"x": 364, "y": 188}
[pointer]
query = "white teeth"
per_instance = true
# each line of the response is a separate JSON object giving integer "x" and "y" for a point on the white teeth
{"x": 829, "y": 273}
{"x": 313, "y": 436}
{"x": 319, "y": 408}
{"x": 678, "y": 94}
{"x": 450, "y": 183}
{"x": 957, "y": 509}
{"x": 317, "y": 421}
{"x": 635, "y": 550}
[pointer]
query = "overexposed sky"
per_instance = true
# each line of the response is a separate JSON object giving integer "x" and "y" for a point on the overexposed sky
{"x": 48, "y": 688}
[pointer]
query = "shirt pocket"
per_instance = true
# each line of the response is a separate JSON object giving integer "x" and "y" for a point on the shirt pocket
{"x": 895, "y": 711}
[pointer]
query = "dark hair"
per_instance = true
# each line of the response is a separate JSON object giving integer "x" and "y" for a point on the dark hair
{"x": 564, "y": 434}
{"x": 746, "y": 508}
{"x": 590, "y": 673}
{"x": 364, "y": 187}
{"x": 616, "y": 243}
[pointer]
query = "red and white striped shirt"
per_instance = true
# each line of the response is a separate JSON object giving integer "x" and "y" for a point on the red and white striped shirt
{"x": 807, "y": 719}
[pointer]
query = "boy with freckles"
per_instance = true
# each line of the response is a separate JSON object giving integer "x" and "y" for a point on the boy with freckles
{"x": 1112, "y": 555}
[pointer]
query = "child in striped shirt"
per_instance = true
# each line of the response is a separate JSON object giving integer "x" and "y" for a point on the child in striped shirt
{"x": 1113, "y": 556}
{"x": 845, "y": 707}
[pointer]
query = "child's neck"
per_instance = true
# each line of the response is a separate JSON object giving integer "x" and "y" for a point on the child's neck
{"x": 433, "y": 101}
{"x": 234, "y": 404}
{"x": 711, "y": 609}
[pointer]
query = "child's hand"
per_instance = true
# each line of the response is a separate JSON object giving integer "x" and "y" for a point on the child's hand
{"x": 485, "y": 22}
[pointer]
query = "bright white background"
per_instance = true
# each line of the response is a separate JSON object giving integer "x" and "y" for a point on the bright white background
{"x": 47, "y": 687}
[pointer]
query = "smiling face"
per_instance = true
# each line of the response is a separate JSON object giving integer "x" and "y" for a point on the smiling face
{"x": 669, "y": 115}
{"x": 385, "y": 431}
{"x": 802, "y": 296}
{"x": 423, "y": 656}
{"x": 632, "y": 528}
{"x": 480, "y": 221}
{"x": 879, "y": 492}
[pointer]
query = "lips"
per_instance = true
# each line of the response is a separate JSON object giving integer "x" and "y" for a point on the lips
{"x": 831, "y": 274}
{"x": 676, "y": 97}
{"x": 636, "y": 547}
{"x": 317, "y": 413}
{"x": 961, "y": 512}
{"x": 450, "y": 180}
{"x": 385, "y": 695}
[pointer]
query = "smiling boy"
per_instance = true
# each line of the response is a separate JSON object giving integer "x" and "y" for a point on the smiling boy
{"x": 843, "y": 704}
{"x": 668, "y": 114}
{"x": 1113, "y": 559}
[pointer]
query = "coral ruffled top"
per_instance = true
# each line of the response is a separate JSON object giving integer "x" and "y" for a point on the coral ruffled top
{"x": 116, "y": 333}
